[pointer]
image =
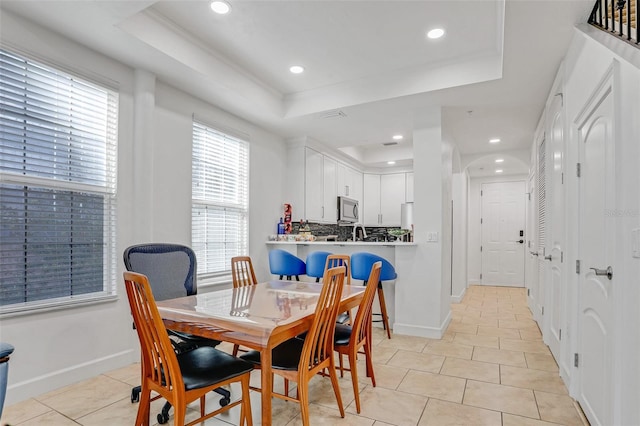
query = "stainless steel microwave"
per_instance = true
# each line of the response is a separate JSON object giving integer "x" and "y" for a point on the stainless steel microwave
{"x": 347, "y": 210}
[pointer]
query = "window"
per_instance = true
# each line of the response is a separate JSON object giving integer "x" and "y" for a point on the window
{"x": 57, "y": 187}
{"x": 220, "y": 199}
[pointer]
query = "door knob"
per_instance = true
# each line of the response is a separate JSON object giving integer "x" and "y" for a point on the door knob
{"x": 519, "y": 241}
{"x": 604, "y": 272}
{"x": 548, "y": 257}
{"x": 534, "y": 253}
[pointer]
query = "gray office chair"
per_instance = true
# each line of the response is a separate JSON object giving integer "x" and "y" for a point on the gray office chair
{"x": 171, "y": 270}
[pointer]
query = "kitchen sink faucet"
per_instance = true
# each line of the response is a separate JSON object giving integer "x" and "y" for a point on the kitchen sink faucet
{"x": 355, "y": 228}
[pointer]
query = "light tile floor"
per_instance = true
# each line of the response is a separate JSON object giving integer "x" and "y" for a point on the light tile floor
{"x": 490, "y": 368}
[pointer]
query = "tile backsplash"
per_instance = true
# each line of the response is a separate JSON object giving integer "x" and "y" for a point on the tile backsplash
{"x": 374, "y": 233}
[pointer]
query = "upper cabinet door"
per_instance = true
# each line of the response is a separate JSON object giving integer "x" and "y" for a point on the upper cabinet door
{"x": 313, "y": 185}
{"x": 349, "y": 182}
{"x": 355, "y": 184}
{"x": 392, "y": 190}
{"x": 409, "y": 186}
{"x": 371, "y": 210}
{"x": 330, "y": 199}
{"x": 342, "y": 186}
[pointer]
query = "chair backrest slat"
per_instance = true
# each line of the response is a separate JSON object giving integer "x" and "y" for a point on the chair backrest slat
{"x": 159, "y": 360}
{"x": 318, "y": 344}
{"x": 361, "y": 324}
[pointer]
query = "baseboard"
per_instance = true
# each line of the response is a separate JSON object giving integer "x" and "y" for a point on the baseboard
{"x": 458, "y": 298}
{"x": 33, "y": 387}
{"x": 474, "y": 282}
{"x": 420, "y": 331}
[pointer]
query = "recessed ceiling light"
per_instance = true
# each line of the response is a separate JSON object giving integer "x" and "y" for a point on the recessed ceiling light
{"x": 391, "y": 163}
{"x": 296, "y": 69}
{"x": 494, "y": 140}
{"x": 435, "y": 33}
{"x": 397, "y": 137}
{"x": 498, "y": 170}
{"x": 499, "y": 160}
{"x": 220, "y": 7}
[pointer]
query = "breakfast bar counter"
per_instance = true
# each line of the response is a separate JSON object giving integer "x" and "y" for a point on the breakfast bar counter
{"x": 392, "y": 251}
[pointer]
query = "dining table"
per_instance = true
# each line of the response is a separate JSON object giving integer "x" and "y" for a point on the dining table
{"x": 258, "y": 317}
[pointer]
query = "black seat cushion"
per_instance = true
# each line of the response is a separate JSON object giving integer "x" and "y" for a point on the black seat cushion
{"x": 206, "y": 366}
{"x": 342, "y": 318}
{"x": 343, "y": 335}
{"x": 285, "y": 356}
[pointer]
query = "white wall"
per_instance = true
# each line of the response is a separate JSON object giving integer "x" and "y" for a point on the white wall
{"x": 57, "y": 348}
{"x": 474, "y": 259}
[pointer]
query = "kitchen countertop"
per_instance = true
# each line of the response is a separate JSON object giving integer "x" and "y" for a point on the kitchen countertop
{"x": 343, "y": 243}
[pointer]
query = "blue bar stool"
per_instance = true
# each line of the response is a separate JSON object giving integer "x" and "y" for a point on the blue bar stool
{"x": 361, "y": 264}
{"x": 5, "y": 351}
{"x": 315, "y": 264}
{"x": 284, "y": 264}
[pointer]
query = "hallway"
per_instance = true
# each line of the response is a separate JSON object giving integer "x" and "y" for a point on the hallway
{"x": 490, "y": 368}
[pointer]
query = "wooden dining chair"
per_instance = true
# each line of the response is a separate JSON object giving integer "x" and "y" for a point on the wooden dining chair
{"x": 334, "y": 260}
{"x": 300, "y": 360}
{"x": 242, "y": 272}
{"x": 184, "y": 377}
{"x": 349, "y": 340}
{"x": 242, "y": 275}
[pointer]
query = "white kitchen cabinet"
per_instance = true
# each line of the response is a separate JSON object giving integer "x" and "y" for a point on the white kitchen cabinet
{"x": 392, "y": 195}
{"x": 313, "y": 185}
{"x": 409, "y": 186}
{"x": 383, "y": 196}
{"x": 320, "y": 187}
{"x": 371, "y": 202}
{"x": 330, "y": 204}
{"x": 349, "y": 182}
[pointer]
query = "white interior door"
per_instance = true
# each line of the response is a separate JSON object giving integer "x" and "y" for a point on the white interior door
{"x": 597, "y": 236}
{"x": 503, "y": 215}
{"x": 555, "y": 255}
{"x": 541, "y": 241}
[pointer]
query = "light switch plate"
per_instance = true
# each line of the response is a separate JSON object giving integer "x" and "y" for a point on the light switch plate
{"x": 432, "y": 237}
{"x": 635, "y": 241}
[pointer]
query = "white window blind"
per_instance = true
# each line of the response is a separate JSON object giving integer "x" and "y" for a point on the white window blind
{"x": 57, "y": 187}
{"x": 220, "y": 199}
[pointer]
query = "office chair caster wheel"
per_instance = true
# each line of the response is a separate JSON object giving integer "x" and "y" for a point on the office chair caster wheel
{"x": 163, "y": 418}
{"x": 135, "y": 396}
{"x": 224, "y": 402}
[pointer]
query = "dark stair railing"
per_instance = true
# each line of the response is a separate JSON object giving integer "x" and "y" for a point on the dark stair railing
{"x": 617, "y": 17}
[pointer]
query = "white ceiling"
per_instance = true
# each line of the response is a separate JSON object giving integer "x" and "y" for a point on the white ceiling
{"x": 491, "y": 72}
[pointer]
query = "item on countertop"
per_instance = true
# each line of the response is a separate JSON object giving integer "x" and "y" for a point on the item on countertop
{"x": 305, "y": 229}
{"x": 397, "y": 232}
{"x": 287, "y": 218}
{"x": 281, "y": 227}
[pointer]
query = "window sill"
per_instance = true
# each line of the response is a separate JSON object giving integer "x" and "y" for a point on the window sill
{"x": 53, "y": 305}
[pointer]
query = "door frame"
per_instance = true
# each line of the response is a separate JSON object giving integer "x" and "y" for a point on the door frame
{"x": 607, "y": 84}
